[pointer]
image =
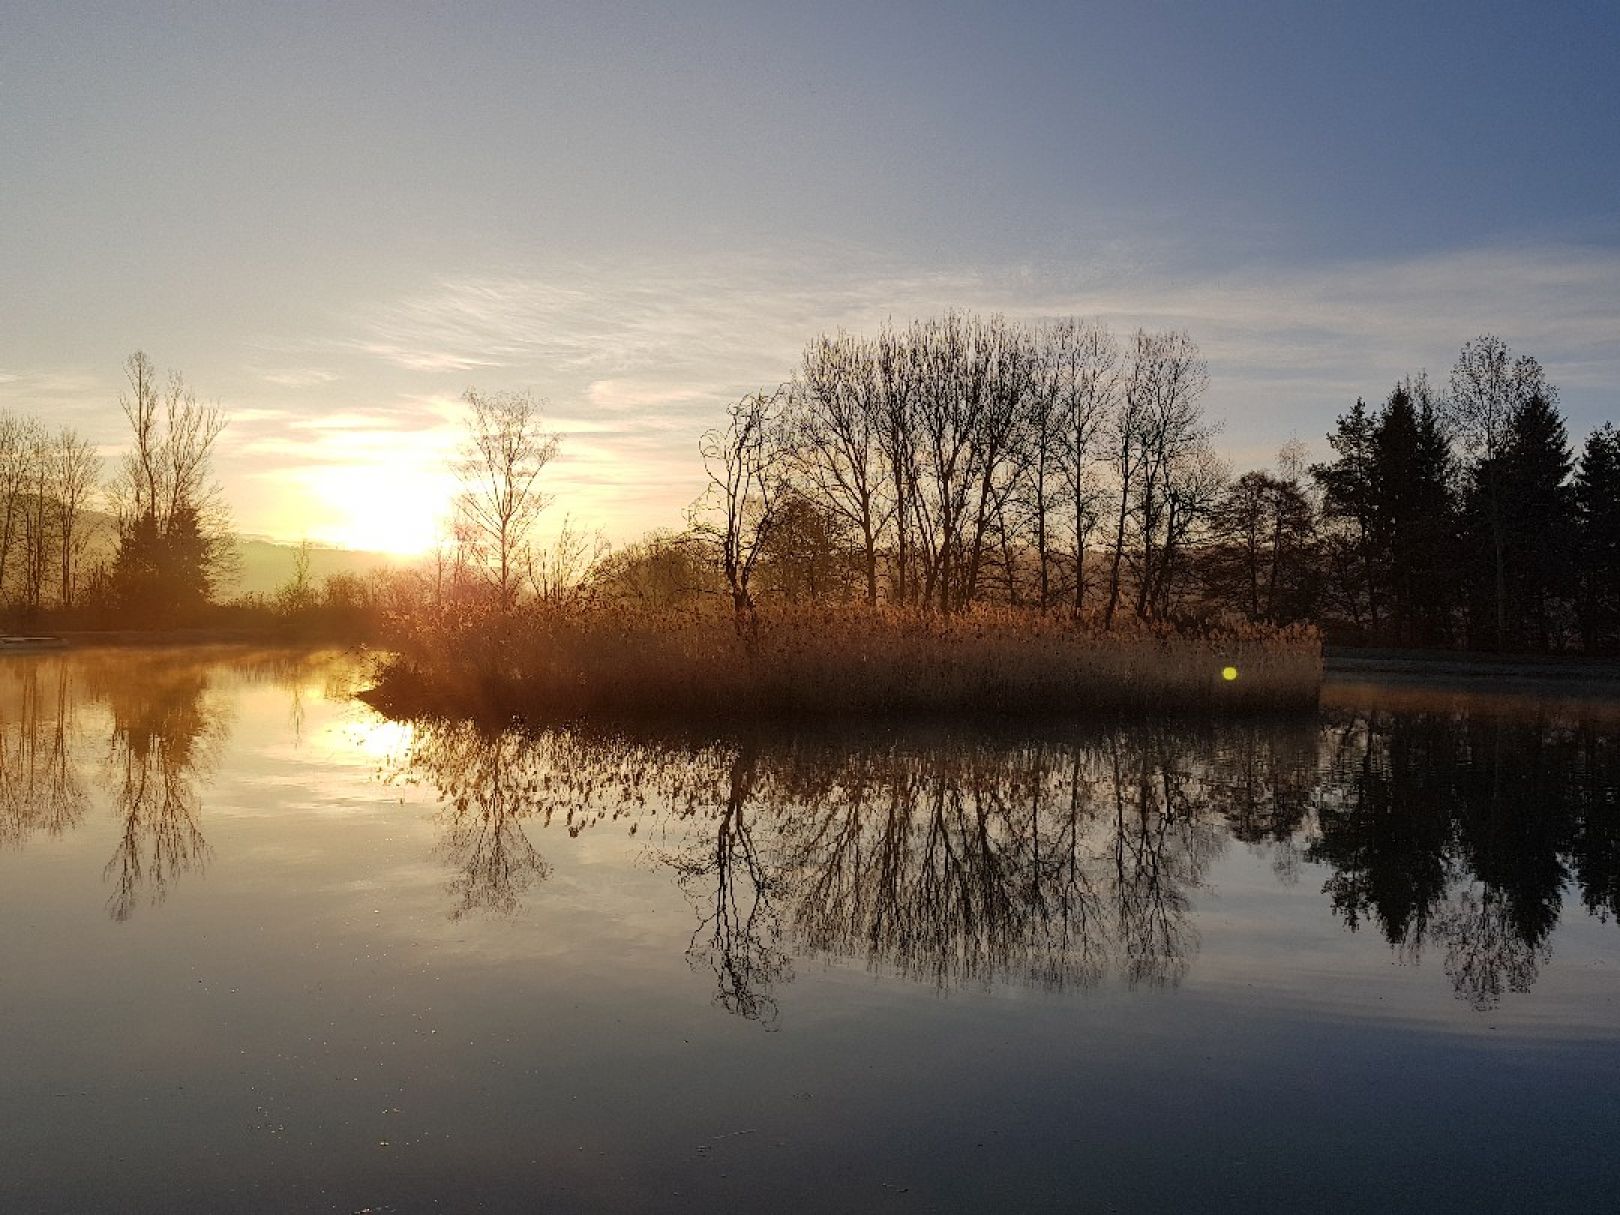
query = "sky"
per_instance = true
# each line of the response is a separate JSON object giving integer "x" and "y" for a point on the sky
{"x": 336, "y": 218}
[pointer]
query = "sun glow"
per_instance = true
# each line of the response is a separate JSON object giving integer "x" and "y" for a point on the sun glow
{"x": 378, "y": 509}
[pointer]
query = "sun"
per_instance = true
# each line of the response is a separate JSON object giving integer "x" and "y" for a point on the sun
{"x": 378, "y": 509}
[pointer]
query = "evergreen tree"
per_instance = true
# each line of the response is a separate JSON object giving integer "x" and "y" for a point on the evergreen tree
{"x": 1597, "y": 544}
{"x": 1414, "y": 515}
{"x": 1348, "y": 515}
{"x": 173, "y": 542}
{"x": 1488, "y": 389}
{"x": 1534, "y": 528}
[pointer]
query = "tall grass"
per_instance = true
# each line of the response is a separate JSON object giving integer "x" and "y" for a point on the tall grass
{"x": 837, "y": 662}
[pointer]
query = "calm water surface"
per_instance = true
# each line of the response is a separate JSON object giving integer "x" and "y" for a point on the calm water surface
{"x": 261, "y": 950}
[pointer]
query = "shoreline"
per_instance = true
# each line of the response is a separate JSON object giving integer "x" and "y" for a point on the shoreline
{"x": 1473, "y": 671}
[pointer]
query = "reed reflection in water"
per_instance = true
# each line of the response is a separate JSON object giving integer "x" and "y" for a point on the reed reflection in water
{"x": 961, "y": 858}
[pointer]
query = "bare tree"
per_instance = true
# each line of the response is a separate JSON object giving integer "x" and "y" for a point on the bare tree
{"x": 39, "y": 518}
{"x": 507, "y": 447}
{"x": 1193, "y": 485}
{"x": 898, "y": 374}
{"x": 1082, "y": 360}
{"x": 975, "y": 377}
{"x": 746, "y": 464}
{"x": 837, "y": 423}
{"x": 75, "y": 471}
{"x": 1158, "y": 428}
{"x": 17, "y": 447}
{"x": 564, "y": 573}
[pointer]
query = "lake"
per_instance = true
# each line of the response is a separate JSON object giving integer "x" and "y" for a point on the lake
{"x": 264, "y": 950}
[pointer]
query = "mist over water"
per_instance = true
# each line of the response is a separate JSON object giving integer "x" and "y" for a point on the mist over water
{"x": 264, "y": 949}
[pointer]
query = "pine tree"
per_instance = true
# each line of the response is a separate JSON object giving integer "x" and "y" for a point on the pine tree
{"x": 1535, "y": 526}
{"x": 1348, "y": 511}
{"x": 1489, "y": 387}
{"x": 1414, "y": 516}
{"x": 1597, "y": 544}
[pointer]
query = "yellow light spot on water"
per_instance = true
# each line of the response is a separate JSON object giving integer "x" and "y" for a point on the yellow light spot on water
{"x": 1229, "y": 673}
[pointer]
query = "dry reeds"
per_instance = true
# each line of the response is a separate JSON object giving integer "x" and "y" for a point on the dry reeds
{"x": 829, "y": 663}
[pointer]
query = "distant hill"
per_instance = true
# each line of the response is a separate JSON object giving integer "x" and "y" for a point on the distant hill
{"x": 265, "y": 565}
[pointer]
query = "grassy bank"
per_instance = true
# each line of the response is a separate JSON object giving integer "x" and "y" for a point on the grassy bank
{"x": 560, "y": 665}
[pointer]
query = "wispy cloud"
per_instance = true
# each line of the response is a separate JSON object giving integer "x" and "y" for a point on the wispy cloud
{"x": 636, "y": 359}
{"x": 1283, "y": 341}
{"x": 298, "y": 377}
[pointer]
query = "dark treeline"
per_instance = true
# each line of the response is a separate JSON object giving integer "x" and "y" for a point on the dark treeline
{"x": 940, "y": 466}
{"x": 1463, "y": 518}
{"x": 967, "y": 460}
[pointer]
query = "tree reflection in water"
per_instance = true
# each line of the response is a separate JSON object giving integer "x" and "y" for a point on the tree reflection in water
{"x": 960, "y": 858}
{"x": 954, "y": 857}
{"x": 165, "y": 735}
{"x": 158, "y": 745}
{"x": 1464, "y": 826}
{"x": 488, "y": 791}
{"x": 730, "y": 884}
{"x": 41, "y": 787}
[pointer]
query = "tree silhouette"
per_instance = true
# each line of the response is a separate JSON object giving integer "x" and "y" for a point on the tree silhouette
{"x": 173, "y": 539}
{"x": 1597, "y": 564}
{"x": 1534, "y": 528}
{"x": 1489, "y": 389}
{"x": 505, "y": 451}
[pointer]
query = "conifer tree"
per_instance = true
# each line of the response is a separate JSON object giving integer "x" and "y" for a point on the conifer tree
{"x": 1533, "y": 527}
{"x": 1415, "y": 515}
{"x": 1348, "y": 511}
{"x": 1597, "y": 554}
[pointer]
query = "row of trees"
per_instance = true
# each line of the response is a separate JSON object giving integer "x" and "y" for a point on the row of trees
{"x": 1465, "y": 518}
{"x": 47, "y": 481}
{"x": 1053, "y": 466}
{"x": 167, "y": 545}
{"x": 951, "y": 461}
{"x": 965, "y": 456}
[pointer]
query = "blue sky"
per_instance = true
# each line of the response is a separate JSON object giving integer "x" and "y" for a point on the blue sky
{"x": 337, "y": 217}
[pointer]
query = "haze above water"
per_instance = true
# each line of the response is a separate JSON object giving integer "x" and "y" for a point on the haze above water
{"x": 261, "y": 949}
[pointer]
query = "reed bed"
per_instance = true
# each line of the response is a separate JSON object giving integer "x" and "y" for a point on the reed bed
{"x": 549, "y": 665}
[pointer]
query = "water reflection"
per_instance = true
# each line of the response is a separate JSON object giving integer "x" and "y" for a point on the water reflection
{"x": 487, "y": 793}
{"x": 41, "y": 787}
{"x": 956, "y": 858}
{"x": 1464, "y": 829}
{"x": 163, "y": 742}
{"x": 1459, "y": 830}
{"x": 163, "y": 723}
